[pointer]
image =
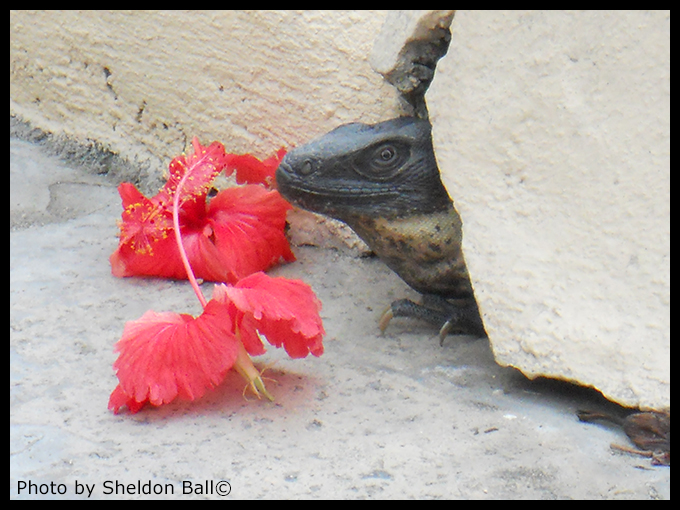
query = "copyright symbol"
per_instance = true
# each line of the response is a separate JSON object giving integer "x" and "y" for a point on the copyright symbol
{"x": 223, "y": 488}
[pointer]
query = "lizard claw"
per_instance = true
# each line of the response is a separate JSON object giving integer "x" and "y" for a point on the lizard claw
{"x": 385, "y": 319}
{"x": 445, "y": 329}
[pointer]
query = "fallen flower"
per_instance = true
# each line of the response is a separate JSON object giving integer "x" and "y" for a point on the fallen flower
{"x": 168, "y": 355}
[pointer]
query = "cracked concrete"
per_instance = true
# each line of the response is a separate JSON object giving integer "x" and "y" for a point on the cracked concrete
{"x": 375, "y": 417}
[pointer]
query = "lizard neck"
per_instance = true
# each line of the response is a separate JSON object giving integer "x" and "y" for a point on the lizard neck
{"x": 423, "y": 249}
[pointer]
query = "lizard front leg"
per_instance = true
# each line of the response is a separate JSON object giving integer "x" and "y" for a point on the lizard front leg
{"x": 457, "y": 316}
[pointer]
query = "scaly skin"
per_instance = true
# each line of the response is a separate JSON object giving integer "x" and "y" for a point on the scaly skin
{"x": 383, "y": 181}
{"x": 424, "y": 249}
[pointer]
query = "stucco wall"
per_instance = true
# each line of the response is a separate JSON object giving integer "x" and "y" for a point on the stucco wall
{"x": 144, "y": 83}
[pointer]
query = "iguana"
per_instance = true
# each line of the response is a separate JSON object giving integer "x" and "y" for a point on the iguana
{"x": 383, "y": 181}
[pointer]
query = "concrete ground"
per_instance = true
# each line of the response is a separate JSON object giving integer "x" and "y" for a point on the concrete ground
{"x": 394, "y": 416}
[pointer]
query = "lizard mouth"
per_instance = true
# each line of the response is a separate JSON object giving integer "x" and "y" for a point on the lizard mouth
{"x": 293, "y": 187}
{"x": 329, "y": 198}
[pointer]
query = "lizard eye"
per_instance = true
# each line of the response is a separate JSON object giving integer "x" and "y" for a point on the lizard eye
{"x": 383, "y": 156}
{"x": 387, "y": 154}
{"x": 383, "y": 161}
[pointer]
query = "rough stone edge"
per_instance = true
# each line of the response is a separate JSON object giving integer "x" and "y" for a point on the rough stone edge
{"x": 423, "y": 37}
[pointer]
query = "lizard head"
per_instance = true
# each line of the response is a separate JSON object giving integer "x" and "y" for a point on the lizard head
{"x": 380, "y": 170}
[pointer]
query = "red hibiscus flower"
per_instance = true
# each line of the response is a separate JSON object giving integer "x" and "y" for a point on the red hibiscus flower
{"x": 236, "y": 233}
{"x": 168, "y": 355}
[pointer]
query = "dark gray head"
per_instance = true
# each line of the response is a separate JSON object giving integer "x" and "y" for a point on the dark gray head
{"x": 381, "y": 170}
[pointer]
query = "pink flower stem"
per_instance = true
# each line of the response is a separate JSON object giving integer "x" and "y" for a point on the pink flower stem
{"x": 244, "y": 365}
{"x": 180, "y": 245}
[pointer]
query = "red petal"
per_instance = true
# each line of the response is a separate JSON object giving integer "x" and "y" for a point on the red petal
{"x": 166, "y": 355}
{"x": 119, "y": 399}
{"x": 203, "y": 165}
{"x": 163, "y": 260}
{"x": 147, "y": 245}
{"x": 285, "y": 311}
{"x": 251, "y": 170}
{"x": 245, "y": 235}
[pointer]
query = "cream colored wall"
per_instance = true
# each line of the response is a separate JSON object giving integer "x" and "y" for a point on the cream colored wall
{"x": 143, "y": 83}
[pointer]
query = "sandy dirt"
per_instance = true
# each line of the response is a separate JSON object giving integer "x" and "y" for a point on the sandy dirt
{"x": 393, "y": 416}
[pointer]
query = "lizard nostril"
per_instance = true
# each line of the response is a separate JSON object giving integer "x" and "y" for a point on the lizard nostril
{"x": 284, "y": 168}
